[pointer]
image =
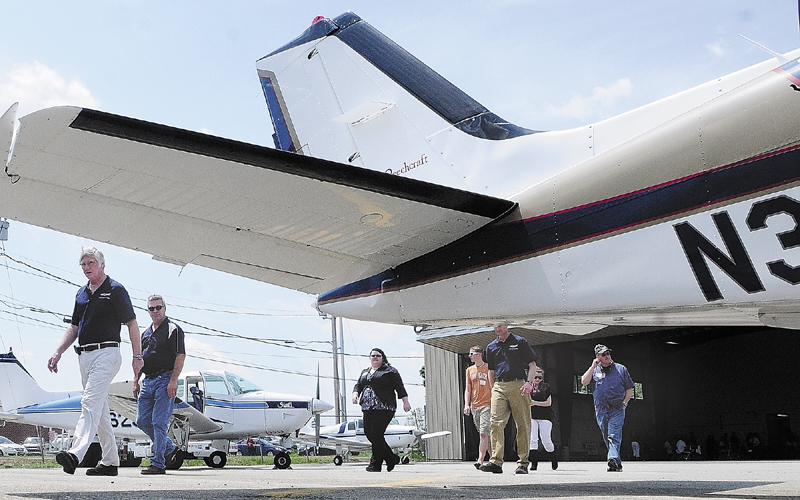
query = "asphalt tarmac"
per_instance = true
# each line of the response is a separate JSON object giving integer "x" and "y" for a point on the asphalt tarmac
{"x": 433, "y": 480}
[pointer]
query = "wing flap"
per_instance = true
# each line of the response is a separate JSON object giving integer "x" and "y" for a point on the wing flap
{"x": 186, "y": 197}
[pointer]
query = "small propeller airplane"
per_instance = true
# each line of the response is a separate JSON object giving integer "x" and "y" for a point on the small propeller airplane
{"x": 349, "y": 436}
{"x": 211, "y": 406}
{"x": 397, "y": 198}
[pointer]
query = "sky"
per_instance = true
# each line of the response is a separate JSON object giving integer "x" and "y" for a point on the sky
{"x": 543, "y": 65}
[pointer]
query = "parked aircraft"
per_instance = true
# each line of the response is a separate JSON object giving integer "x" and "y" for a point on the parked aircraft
{"x": 211, "y": 406}
{"x": 398, "y": 198}
{"x": 349, "y": 436}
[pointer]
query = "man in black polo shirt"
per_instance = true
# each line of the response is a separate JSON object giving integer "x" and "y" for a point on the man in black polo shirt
{"x": 164, "y": 354}
{"x": 508, "y": 356}
{"x": 101, "y": 306}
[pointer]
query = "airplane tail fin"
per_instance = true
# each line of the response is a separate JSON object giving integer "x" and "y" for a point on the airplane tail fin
{"x": 18, "y": 389}
{"x": 345, "y": 92}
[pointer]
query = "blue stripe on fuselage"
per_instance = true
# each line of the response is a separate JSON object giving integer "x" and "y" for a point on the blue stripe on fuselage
{"x": 60, "y": 406}
{"x": 527, "y": 238}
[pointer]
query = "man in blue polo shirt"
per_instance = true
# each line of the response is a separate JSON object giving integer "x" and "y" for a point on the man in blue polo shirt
{"x": 164, "y": 353}
{"x": 508, "y": 357}
{"x": 613, "y": 389}
{"x": 101, "y": 307}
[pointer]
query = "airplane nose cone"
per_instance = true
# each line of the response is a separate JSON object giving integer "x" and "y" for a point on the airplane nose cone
{"x": 320, "y": 406}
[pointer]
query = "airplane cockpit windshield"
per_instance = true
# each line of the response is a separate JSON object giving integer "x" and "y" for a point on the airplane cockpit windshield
{"x": 240, "y": 385}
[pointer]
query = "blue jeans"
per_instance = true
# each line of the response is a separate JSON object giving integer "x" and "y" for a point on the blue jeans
{"x": 155, "y": 411}
{"x": 610, "y": 421}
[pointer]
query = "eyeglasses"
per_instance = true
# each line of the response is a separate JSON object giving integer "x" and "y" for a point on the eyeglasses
{"x": 607, "y": 353}
{"x": 537, "y": 377}
{"x": 375, "y": 356}
{"x": 154, "y": 308}
{"x": 474, "y": 353}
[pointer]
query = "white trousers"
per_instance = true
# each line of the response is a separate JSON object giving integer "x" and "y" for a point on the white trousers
{"x": 543, "y": 427}
{"x": 98, "y": 369}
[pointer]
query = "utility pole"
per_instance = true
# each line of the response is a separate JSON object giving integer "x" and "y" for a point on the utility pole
{"x": 343, "y": 384}
{"x": 335, "y": 354}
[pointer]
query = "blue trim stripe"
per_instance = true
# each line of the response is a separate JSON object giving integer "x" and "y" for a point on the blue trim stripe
{"x": 256, "y": 405}
{"x": 524, "y": 239}
{"x": 69, "y": 405}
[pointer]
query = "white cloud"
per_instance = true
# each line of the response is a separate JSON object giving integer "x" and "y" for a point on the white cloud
{"x": 602, "y": 97}
{"x": 35, "y": 86}
{"x": 717, "y": 48}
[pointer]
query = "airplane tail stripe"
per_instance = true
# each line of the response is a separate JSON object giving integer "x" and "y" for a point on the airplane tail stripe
{"x": 790, "y": 71}
{"x": 535, "y": 236}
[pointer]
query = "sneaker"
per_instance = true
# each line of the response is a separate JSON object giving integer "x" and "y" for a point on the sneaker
{"x": 152, "y": 470}
{"x": 102, "y": 470}
{"x": 521, "y": 470}
{"x": 493, "y": 468}
{"x": 68, "y": 461}
{"x": 614, "y": 466}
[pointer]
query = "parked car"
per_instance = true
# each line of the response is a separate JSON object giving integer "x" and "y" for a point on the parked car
{"x": 308, "y": 449}
{"x": 33, "y": 445}
{"x": 9, "y": 447}
{"x": 259, "y": 446}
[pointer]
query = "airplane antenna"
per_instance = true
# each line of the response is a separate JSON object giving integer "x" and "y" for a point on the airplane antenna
{"x": 782, "y": 59}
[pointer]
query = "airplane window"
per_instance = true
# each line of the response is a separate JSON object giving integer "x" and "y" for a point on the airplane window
{"x": 394, "y": 422}
{"x": 240, "y": 385}
{"x": 215, "y": 384}
{"x": 180, "y": 388}
{"x": 351, "y": 426}
{"x": 360, "y": 423}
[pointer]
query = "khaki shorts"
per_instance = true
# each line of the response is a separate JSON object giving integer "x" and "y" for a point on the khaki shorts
{"x": 482, "y": 418}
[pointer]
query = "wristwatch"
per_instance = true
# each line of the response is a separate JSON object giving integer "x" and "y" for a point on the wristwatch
{"x": 137, "y": 356}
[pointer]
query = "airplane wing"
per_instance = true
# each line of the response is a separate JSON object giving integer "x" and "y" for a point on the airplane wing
{"x": 121, "y": 400}
{"x": 353, "y": 443}
{"x": 190, "y": 198}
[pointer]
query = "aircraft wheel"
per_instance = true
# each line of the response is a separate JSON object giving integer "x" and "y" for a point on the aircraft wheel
{"x": 338, "y": 460}
{"x": 282, "y": 460}
{"x": 176, "y": 462}
{"x": 405, "y": 460}
{"x": 216, "y": 460}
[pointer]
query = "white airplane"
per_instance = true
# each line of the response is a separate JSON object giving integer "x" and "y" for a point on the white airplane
{"x": 398, "y": 198}
{"x": 217, "y": 407}
{"x": 349, "y": 436}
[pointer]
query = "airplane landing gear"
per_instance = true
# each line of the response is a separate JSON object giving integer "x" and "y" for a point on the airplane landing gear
{"x": 282, "y": 460}
{"x": 216, "y": 460}
{"x": 338, "y": 460}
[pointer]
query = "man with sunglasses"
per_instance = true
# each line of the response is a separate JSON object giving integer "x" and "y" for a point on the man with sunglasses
{"x": 478, "y": 398}
{"x": 613, "y": 389}
{"x": 164, "y": 353}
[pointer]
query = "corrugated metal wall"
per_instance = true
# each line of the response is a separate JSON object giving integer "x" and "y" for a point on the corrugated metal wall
{"x": 444, "y": 400}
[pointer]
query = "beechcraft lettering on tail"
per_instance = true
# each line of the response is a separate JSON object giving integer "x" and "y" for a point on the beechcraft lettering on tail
{"x": 503, "y": 222}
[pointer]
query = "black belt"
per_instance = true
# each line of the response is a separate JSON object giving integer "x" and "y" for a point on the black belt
{"x": 156, "y": 374}
{"x": 93, "y": 347}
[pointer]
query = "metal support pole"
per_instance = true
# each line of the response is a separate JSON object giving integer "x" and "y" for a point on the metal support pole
{"x": 334, "y": 354}
{"x": 343, "y": 384}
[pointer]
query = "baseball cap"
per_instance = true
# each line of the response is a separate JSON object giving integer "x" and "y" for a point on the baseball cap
{"x": 600, "y": 349}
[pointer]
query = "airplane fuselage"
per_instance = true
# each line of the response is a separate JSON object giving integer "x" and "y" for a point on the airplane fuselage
{"x": 690, "y": 223}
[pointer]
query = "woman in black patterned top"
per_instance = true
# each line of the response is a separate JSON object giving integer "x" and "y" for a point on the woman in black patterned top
{"x": 375, "y": 392}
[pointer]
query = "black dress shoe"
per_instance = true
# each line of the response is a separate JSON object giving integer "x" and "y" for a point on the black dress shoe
{"x": 393, "y": 460}
{"x": 102, "y": 470}
{"x": 68, "y": 461}
{"x": 493, "y": 468}
{"x": 370, "y": 468}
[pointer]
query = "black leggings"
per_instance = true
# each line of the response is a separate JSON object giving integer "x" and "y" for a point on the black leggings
{"x": 375, "y": 424}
